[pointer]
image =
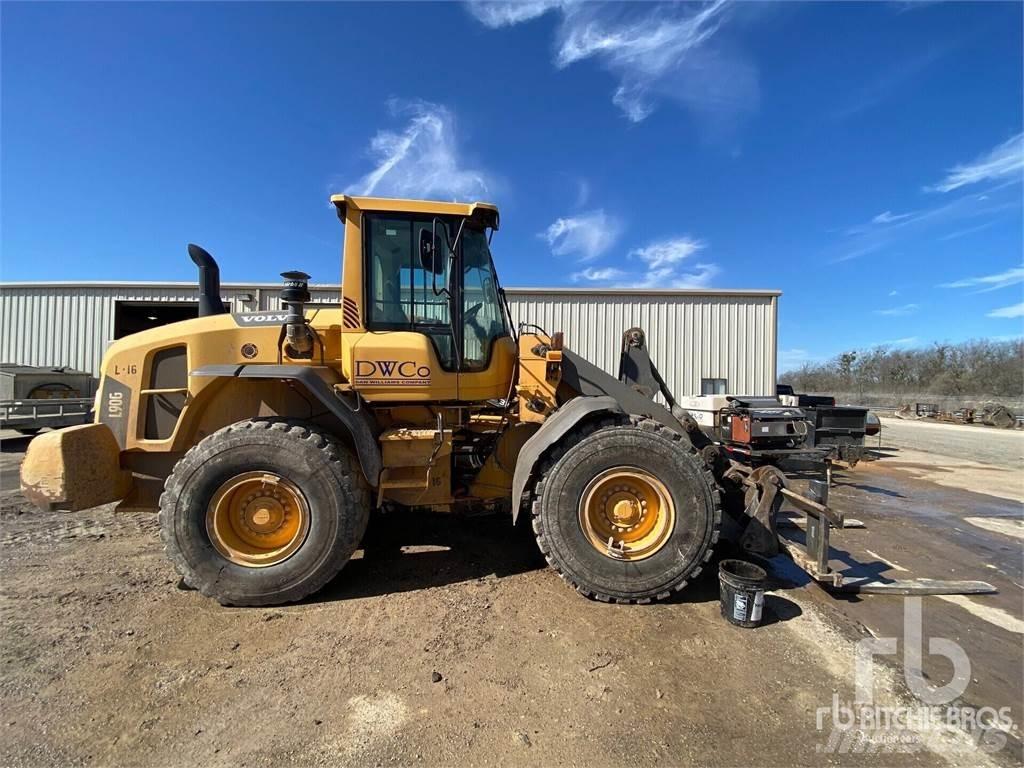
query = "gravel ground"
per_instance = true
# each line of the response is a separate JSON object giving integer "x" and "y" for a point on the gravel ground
{"x": 445, "y": 642}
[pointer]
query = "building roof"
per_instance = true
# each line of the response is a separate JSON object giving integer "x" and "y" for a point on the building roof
{"x": 519, "y": 290}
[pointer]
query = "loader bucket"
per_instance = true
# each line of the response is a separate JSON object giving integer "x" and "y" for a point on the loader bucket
{"x": 74, "y": 468}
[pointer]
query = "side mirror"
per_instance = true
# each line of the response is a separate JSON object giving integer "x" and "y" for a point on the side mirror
{"x": 431, "y": 251}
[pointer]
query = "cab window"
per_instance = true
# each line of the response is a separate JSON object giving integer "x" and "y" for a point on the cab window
{"x": 483, "y": 318}
{"x": 401, "y": 287}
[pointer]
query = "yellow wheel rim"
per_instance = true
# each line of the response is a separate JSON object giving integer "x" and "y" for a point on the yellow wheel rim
{"x": 627, "y": 513}
{"x": 257, "y": 519}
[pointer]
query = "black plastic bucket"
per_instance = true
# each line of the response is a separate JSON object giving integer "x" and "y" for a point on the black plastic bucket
{"x": 741, "y": 585}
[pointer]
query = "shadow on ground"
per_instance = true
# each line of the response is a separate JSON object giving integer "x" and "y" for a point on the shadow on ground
{"x": 15, "y": 443}
{"x": 872, "y": 489}
{"x": 410, "y": 550}
{"x": 405, "y": 551}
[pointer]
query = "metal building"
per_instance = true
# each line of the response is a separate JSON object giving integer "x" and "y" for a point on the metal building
{"x": 703, "y": 341}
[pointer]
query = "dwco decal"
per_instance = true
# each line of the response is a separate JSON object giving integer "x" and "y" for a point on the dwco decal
{"x": 391, "y": 372}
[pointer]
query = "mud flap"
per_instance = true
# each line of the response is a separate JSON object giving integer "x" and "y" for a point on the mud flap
{"x": 74, "y": 469}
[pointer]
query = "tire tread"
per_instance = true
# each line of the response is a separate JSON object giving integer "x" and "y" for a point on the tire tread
{"x": 574, "y": 438}
{"x": 336, "y": 454}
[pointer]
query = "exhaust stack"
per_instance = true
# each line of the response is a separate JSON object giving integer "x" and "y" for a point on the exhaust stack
{"x": 209, "y": 282}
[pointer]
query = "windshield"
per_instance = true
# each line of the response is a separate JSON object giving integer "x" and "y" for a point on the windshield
{"x": 483, "y": 315}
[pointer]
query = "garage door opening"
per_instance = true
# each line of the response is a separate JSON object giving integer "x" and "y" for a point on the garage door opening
{"x": 134, "y": 316}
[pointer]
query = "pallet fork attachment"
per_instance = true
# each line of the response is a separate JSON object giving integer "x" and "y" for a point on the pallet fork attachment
{"x": 765, "y": 491}
{"x": 813, "y": 555}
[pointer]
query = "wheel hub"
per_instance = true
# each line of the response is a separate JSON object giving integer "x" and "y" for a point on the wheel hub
{"x": 263, "y": 514}
{"x": 626, "y": 513}
{"x": 257, "y": 519}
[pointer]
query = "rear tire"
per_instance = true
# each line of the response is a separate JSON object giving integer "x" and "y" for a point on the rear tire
{"x": 314, "y": 483}
{"x": 649, "y": 457}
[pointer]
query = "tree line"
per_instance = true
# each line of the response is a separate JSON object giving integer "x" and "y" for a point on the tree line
{"x": 972, "y": 368}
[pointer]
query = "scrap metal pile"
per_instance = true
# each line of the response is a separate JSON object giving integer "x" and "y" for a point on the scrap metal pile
{"x": 990, "y": 414}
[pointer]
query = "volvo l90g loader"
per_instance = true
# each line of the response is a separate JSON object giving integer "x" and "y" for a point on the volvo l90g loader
{"x": 275, "y": 435}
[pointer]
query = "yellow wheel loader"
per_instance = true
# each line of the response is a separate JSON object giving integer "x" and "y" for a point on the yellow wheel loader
{"x": 275, "y": 435}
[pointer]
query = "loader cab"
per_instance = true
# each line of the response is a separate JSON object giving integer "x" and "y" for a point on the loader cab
{"x": 431, "y": 309}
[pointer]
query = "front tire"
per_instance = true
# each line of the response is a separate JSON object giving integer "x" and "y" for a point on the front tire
{"x": 627, "y": 513}
{"x": 263, "y": 512}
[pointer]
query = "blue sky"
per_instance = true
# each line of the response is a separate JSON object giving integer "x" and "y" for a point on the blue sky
{"x": 866, "y": 159}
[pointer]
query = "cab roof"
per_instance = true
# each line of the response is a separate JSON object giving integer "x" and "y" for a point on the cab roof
{"x": 485, "y": 213}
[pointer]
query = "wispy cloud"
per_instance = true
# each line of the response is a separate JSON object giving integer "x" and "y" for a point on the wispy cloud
{"x": 603, "y": 275}
{"x": 667, "y": 252}
{"x": 887, "y": 217}
{"x": 663, "y": 259}
{"x": 585, "y": 236}
{"x": 904, "y": 6}
{"x": 906, "y": 341}
{"x": 894, "y": 293}
{"x": 656, "y": 52}
{"x": 892, "y": 79}
{"x": 879, "y": 222}
{"x": 662, "y": 267}
{"x": 967, "y": 231}
{"x": 881, "y": 233}
{"x": 1014, "y": 310}
{"x": 986, "y": 283}
{"x": 582, "y": 192}
{"x": 422, "y": 160}
{"x": 668, "y": 277}
{"x": 1001, "y": 162}
{"x": 901, "y": 311}
{"x": 1003, "y": 166}
{"x": 505, "y": 14}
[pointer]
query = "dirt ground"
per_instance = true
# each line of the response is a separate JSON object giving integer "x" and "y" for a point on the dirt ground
{"x": 446, "y": 642}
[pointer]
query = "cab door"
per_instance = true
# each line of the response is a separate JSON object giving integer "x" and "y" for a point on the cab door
{"x": 410, "y": 352}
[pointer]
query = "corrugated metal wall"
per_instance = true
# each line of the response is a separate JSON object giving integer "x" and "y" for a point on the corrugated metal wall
{"x": 691, "y": 335}
{"x": 72, "y": 325}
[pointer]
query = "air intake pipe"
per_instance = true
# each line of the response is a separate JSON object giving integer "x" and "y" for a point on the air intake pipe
{"x": 295, "y": 296}
{"x": 209, "y": 282}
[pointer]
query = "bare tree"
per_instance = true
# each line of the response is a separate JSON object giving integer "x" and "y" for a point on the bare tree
{"x": 980, "y": 367}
